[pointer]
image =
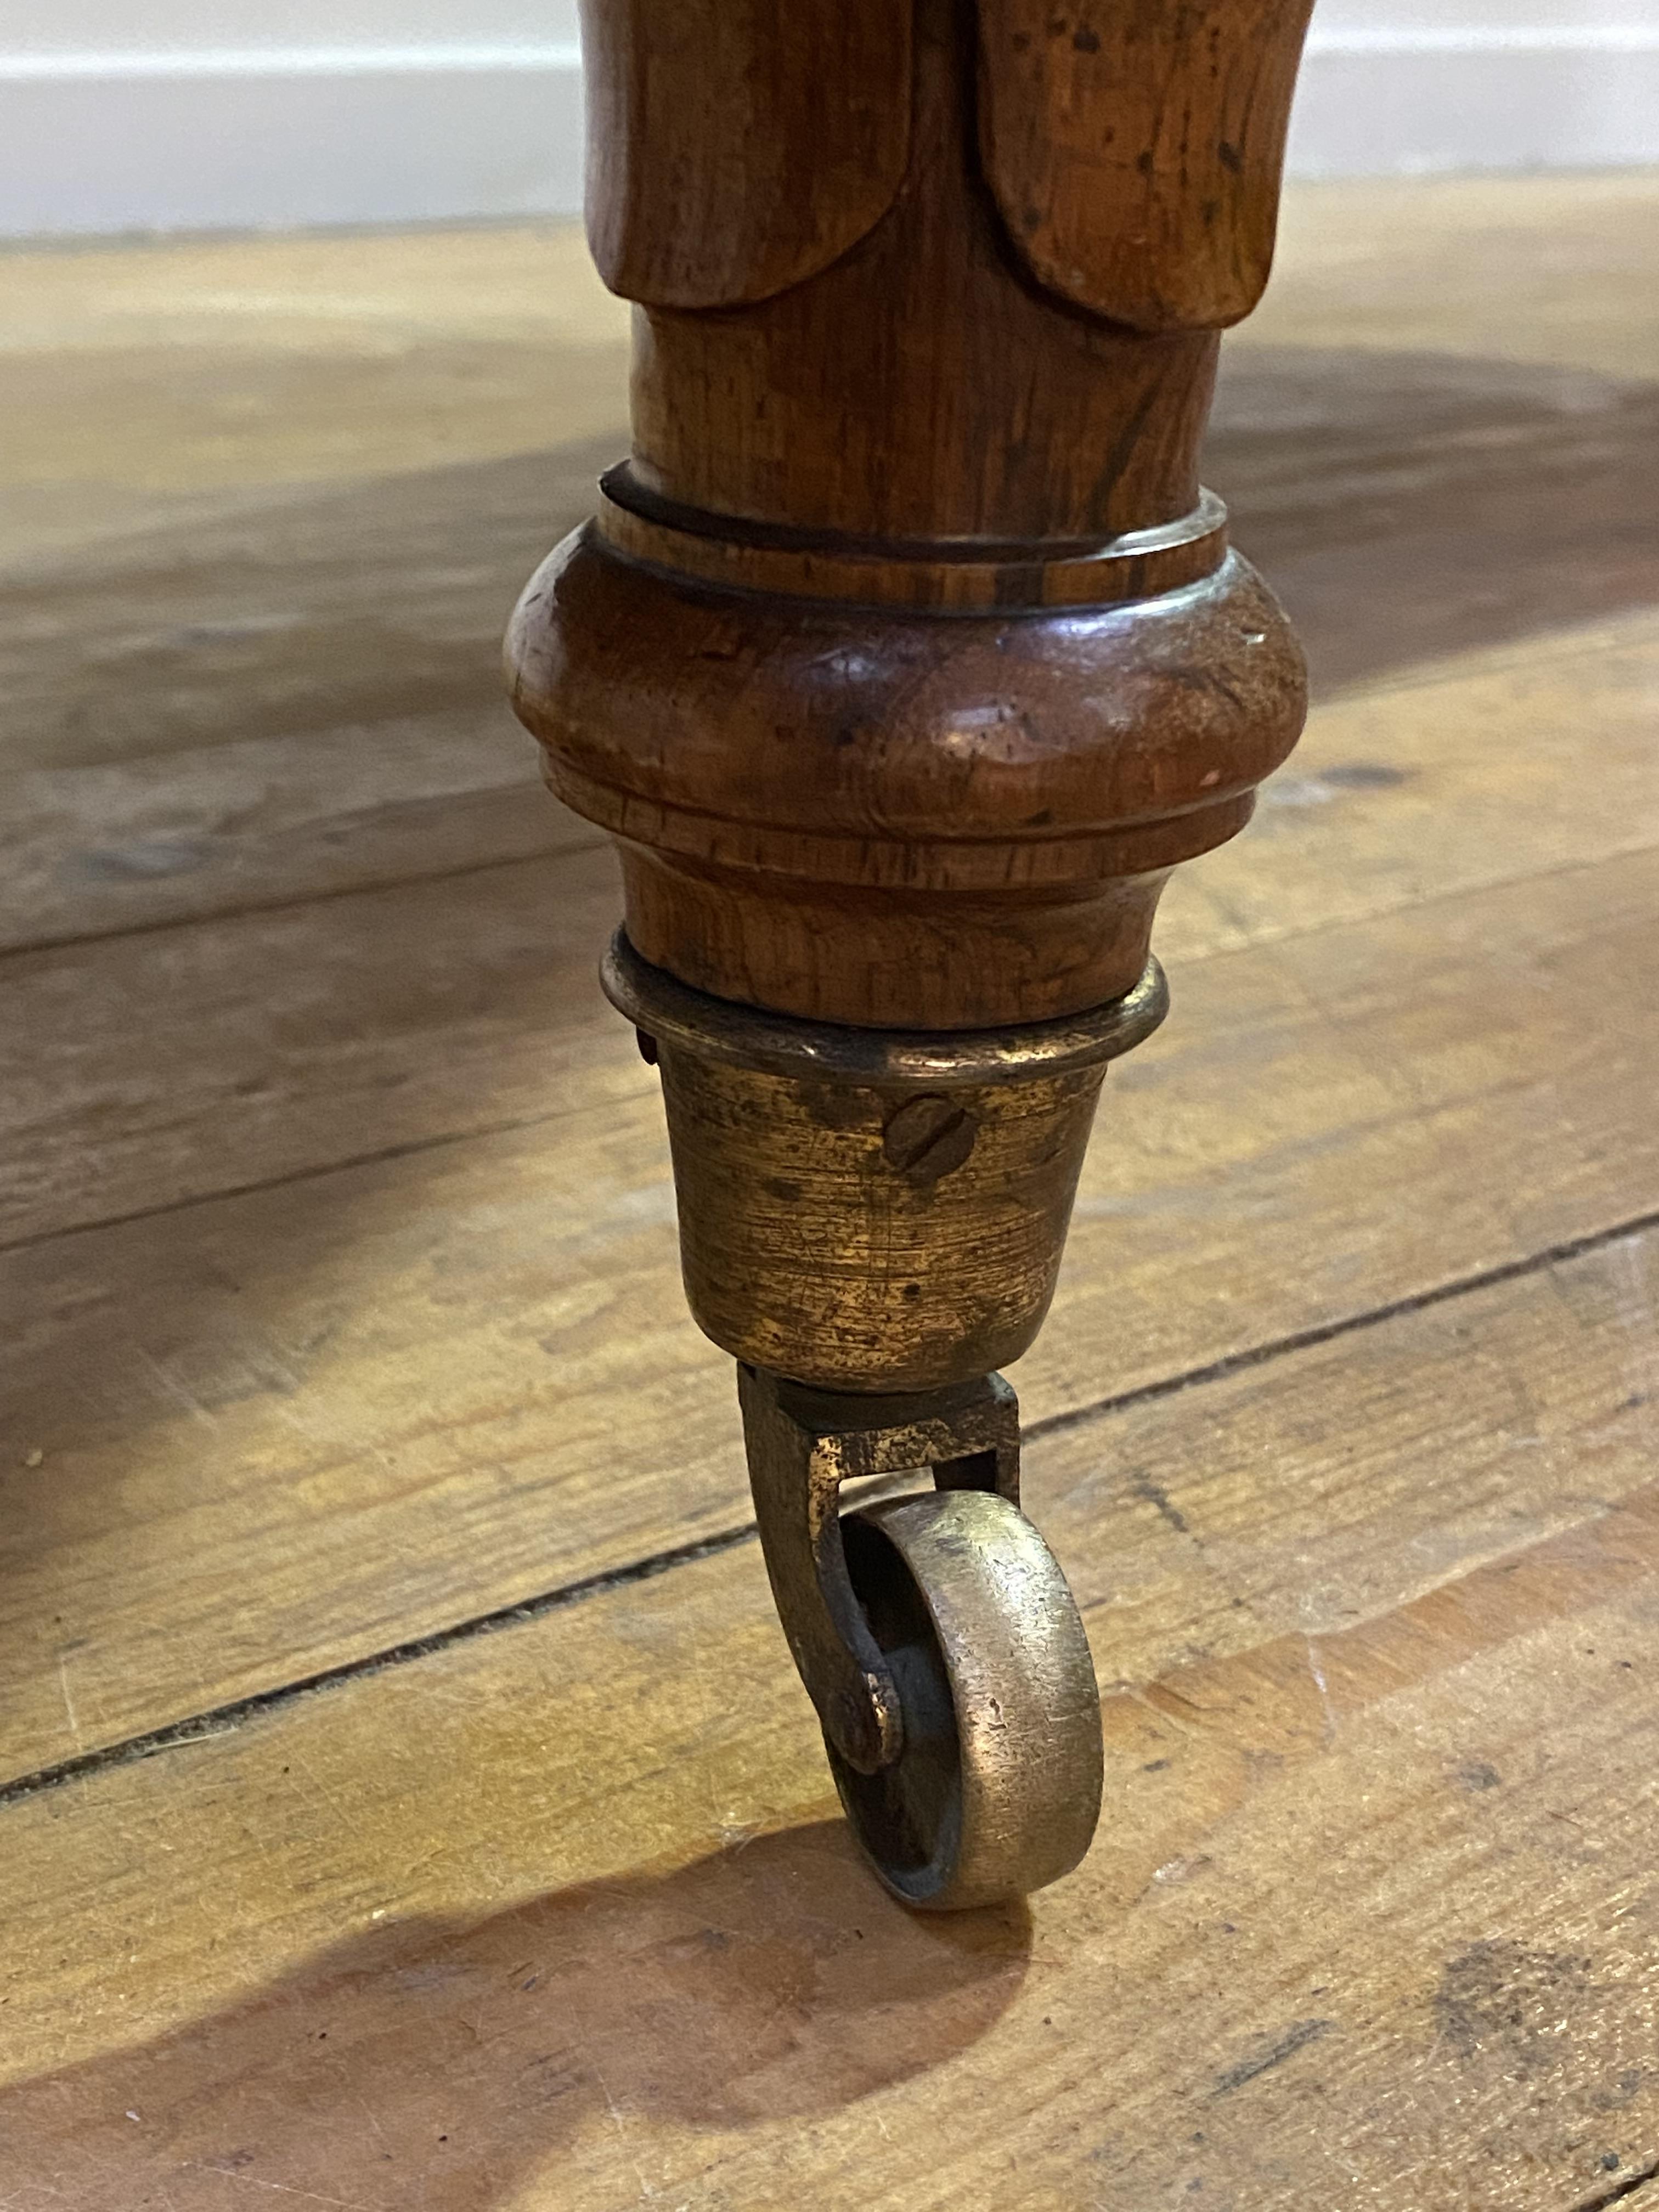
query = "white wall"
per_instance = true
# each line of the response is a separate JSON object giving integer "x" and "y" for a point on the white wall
{"x": 1496, "y": 84}
{"x": 122, "y": 114}
{"x": 170, "y": 114}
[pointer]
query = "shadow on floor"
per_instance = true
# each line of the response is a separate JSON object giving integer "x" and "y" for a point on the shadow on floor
{"x": 1405, "y": 506}
{"x": 429, "y": 2065}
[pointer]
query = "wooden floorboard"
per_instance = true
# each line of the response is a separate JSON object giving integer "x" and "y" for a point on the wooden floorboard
{"x": 558, "y": 1916}
{"x": 341, "y": 1334}
{"x": 172, "y": 1064}
{"x": 268, "y": 501}
{"x": 284, "y": 1430}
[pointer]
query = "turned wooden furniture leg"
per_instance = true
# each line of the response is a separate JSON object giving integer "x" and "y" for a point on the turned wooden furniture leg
{"x": 904, "y": 658}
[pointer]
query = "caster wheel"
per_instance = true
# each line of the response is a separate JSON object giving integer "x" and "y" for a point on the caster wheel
{"x": 997, "y": 1790}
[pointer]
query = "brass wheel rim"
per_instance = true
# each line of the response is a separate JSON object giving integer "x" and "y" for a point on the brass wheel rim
{"x": 996, "y": 1792}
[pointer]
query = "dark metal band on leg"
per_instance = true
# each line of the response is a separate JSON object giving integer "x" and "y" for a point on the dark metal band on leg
{"x": 663, "y": 1008}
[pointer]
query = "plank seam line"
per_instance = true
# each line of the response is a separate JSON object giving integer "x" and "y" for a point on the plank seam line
{"x": 128, "y": 929}
{"x": 220, "y": 1720}
{"x": 417, "y": 1144}
{"x": 408, "y": 1150}
{"x": 320, "y": 1171}
{"x": 1586, "y": 641}
{"x": 1621, "y": 2190}
{"x": 1329, "y": 1332}
{"x": 1365, "y": 689}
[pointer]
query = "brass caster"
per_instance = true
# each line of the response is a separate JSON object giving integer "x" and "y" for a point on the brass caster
{"x": 935, "y": 1634}
{"x": 878, "y": 1216}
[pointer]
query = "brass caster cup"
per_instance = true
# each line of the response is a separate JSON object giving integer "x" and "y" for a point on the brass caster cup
{"x": 871, "y": 1222}
{"x": 868, "y": 1210}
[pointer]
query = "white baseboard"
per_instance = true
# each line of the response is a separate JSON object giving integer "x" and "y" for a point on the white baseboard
{"x": 256, "y": 141}
{"x": 260, "y": 140}
{"x": 1387, "y": 103}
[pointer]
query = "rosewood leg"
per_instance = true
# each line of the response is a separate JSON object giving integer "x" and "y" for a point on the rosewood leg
{"x": 904, "y": 659}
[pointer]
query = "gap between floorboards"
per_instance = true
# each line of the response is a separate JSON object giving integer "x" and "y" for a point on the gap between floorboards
{"x": 218, "y": 1720}
{"x": 1620, "y": 2192}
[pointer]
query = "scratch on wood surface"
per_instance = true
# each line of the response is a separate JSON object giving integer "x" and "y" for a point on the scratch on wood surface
{"x": 1633, "y": 1292}
{"x": 711, "y": 1713}
{"x": 283, "y": 2188}
{"x": 619, "y": 2121}
{"x": 1250, "y": 1697}
{"x": 69, "y": 1703}
{"x": 1318, "y": 1674}
{"x": 172, "y": 1387}
{"x": 362, "y": 2104}
{"x": 339, "y": 1810}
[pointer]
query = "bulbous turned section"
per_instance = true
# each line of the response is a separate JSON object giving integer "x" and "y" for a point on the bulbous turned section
{"x": 866, "y": 1211}
{"x": 906, "y": 656}
{"x": 867, "y": 814}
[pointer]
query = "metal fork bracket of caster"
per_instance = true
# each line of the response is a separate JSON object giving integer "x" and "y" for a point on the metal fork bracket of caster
{"x": 904, "y": 659}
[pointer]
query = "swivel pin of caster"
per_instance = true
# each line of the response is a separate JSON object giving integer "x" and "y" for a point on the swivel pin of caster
{"x": 934, "y": 1633}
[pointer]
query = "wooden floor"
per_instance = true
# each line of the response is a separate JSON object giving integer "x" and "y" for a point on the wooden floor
{"x": 408, "y": 1803}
